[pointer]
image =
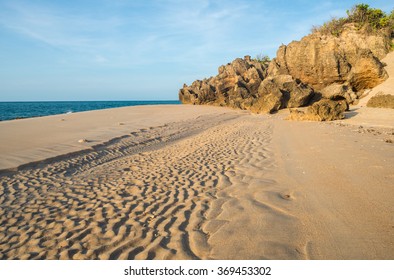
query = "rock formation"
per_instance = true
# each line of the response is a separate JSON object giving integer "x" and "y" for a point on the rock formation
{"x": 316, "y": 67}
{"x": 281, "y": 91}
{"x": 321, "y": 60}
{"x": 235, "y": 86}
{"x": 244, "y": 84}
{"x": 323, "y": 110}
{"x": 381, "y": 101}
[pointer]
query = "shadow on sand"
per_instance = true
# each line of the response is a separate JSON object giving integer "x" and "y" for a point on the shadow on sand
{"x": 351, "y": 113}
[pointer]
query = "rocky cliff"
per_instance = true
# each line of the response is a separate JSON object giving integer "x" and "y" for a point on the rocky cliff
{"x": 352, "y": 59}
{"x": 303, "y": 72}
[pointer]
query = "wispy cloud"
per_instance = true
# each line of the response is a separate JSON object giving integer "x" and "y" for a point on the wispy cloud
{"x": 172, "y": 30}
{"x": 125, "y": 42}
{"x": 54, "y": 27}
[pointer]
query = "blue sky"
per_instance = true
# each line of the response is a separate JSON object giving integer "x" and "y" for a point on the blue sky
{"x": 140, "y": 50}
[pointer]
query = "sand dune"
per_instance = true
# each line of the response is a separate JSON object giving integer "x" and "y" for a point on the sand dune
{"x": 220, "y": 184}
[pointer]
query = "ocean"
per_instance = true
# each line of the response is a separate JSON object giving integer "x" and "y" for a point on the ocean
{"x": 21, "y": 110}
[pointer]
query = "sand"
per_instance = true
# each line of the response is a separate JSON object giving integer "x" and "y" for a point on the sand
{"x": 35, "y": 139}
{"x": 195, "y": 182}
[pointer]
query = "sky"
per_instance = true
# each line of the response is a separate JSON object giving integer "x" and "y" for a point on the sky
{"x": 141, "y": 49}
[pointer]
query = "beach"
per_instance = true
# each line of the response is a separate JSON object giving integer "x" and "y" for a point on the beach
{"x": 197, "y": 182}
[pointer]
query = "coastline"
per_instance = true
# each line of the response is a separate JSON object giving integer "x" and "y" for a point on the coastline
{"x": 24, "y": 141}
{"x": 195, "y": 182}
{"x": 32, "y": 109}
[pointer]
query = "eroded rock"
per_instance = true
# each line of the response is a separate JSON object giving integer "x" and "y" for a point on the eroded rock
{"x": 321, "y": 60}
{"x": 236, "y": 85}
{"x": 323, "y": 110}
{"x": 381, "y": 100}
{"x": 320, "y": 69}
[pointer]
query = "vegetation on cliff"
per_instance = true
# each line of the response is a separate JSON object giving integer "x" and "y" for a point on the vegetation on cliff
{"x": 263, "y": 59}
{"x": 364, "y": 17}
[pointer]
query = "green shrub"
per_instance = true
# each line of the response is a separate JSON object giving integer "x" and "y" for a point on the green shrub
{"x": 263, "y": 59}
{"x": 363, "y": 16}
{"x": 358, "y": 14}
{"x": 391, "y": 22}
{"x": 333, "y": 27}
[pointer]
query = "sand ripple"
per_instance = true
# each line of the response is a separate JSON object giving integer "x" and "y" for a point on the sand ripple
{"x": 159, "y": 193}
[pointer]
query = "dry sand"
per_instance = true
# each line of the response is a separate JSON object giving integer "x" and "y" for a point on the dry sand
{"x": 29, "y": 140}
{"x": 195, "y": 182}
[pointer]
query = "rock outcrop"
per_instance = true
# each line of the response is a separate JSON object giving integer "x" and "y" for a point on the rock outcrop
{"x": 340, "y": 91}
{"x": 281, "y": 91}
{"x": 323, "y": 110}
{"x": 316, "y": 67}
{"x": 381, "y": 101}
{"x": 235, "y": 86}
{"x": 321, "y": 60}
{"x": 244, "y": 84}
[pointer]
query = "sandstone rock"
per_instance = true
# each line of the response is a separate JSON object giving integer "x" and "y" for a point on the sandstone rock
{"x": 200, "y": 92}
{"x": 313, "y": 60}
{"x": 326, "y": 70}
{"x": 381, "y": 100}
{"x": 339, "y": 91}
{"x": 236, "y": 85}
{"x": 285, "y": 91}
{"x": 296, "y": 93}
{"x": 324, "y": 110}
{"x": 270, "y": 98}
{"x": 320, "y": 60}
{"x": 328, "y": 110}
{"x": 367, "y": 71}
{"x": 378, "y": 44}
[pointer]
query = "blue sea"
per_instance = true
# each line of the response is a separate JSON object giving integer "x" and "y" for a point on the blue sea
{"x": 21, "y": 110}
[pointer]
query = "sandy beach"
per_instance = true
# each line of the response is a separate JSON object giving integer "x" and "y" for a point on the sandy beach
{"x": 196, "y": 182}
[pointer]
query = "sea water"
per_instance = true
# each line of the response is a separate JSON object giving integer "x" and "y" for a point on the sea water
{"x": 20, "y": 110}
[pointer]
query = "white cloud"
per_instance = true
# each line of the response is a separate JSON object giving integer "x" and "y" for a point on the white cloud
{"x": 171, "y": 30}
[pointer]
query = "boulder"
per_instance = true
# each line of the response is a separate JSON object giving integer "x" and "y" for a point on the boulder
{"x": 295, "y": 93}
{"x": 339, "y": 91}
{"x": 367, "y": 71}
{"x": 270, "y": 98}
{"x": 284, "y": 92}
{"x": 323, "y": 110}
{"x": 381, "y": 100}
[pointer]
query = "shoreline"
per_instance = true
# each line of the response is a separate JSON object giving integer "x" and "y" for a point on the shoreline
{"x": 197, "y": 182}
{"x": 78, "y": 109}
{"x": 31, "y": 140}
{"x": 34, "y": 140}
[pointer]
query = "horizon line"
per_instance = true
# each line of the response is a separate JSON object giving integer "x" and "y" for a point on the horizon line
{"x": 150, "y": 100}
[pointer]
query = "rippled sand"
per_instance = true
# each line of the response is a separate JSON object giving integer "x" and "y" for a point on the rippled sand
{"x": 216, "y": 184}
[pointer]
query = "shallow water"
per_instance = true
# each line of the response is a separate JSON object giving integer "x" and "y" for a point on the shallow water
{"x": 20, "y": 110}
